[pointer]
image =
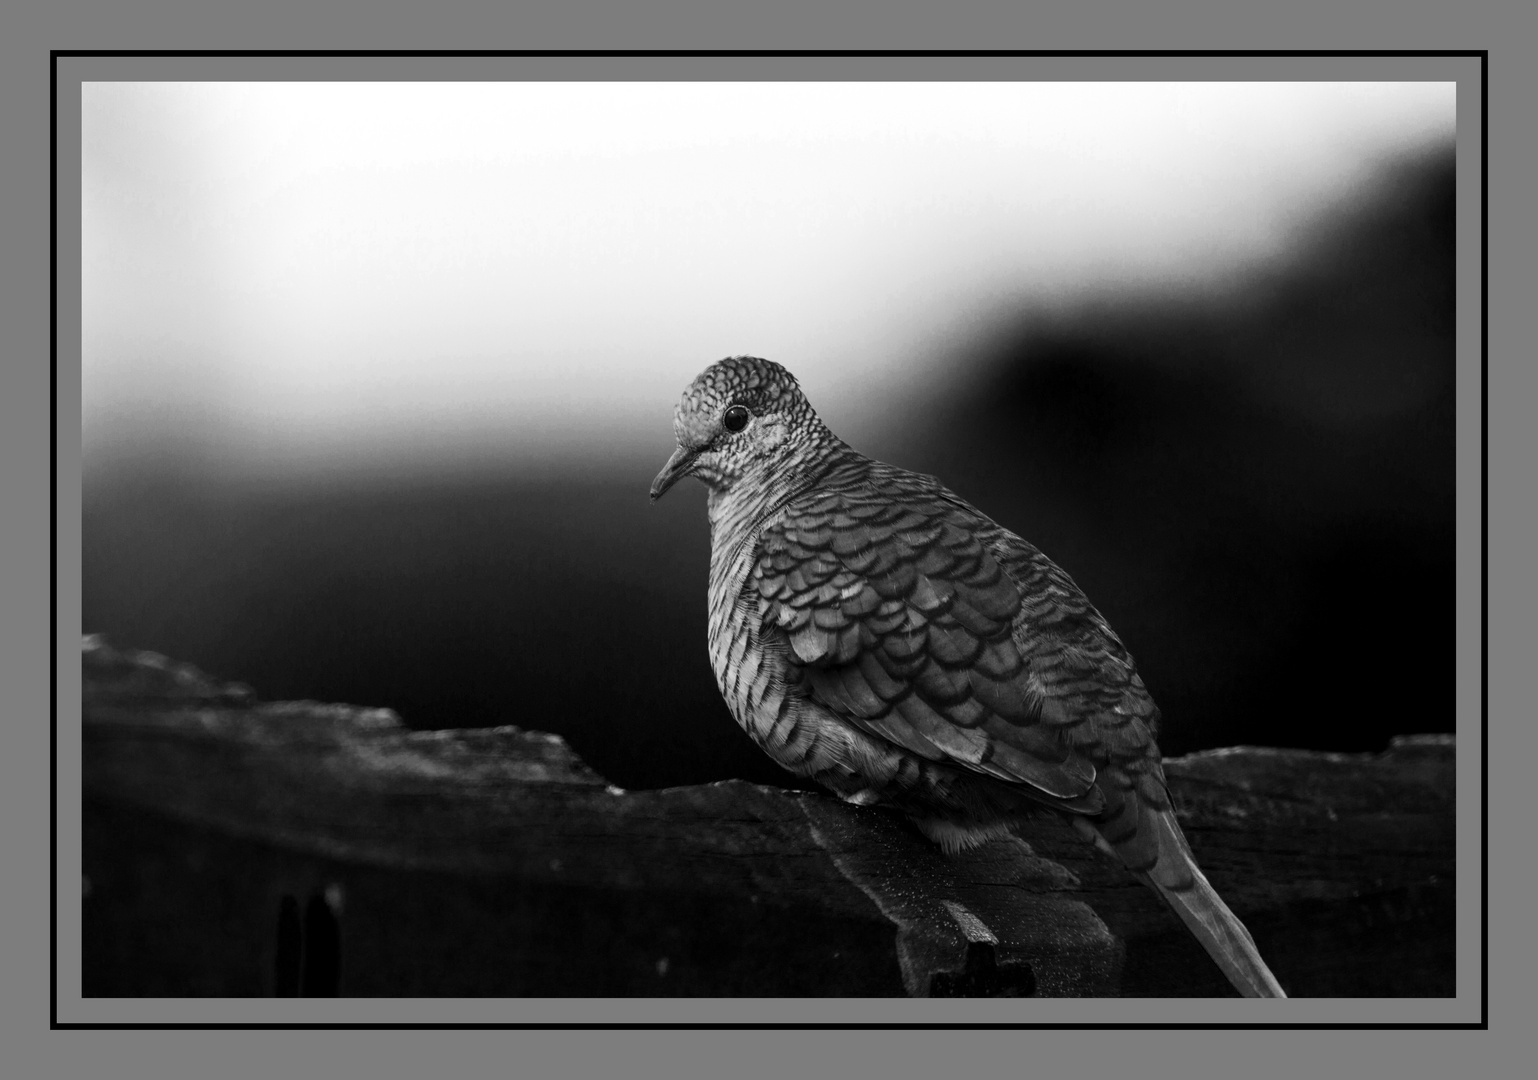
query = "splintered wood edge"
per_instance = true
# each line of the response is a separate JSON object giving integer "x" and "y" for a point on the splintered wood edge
{"x": 128, "y": 687}
{"x": 147, "y": 706}
{"x": 160, "y": 733}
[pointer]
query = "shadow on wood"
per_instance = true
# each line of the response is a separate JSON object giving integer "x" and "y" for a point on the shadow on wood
{"x": 240, "y": 848}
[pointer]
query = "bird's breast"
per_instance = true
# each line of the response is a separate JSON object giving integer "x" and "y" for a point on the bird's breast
{"x": 751, "y": 670}
{"x": 751, "y": 681}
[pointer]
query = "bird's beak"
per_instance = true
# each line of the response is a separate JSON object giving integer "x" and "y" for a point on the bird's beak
{"x": 678, "y": 466}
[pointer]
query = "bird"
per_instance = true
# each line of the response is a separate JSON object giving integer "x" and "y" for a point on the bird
{"x": 874, "y": 632}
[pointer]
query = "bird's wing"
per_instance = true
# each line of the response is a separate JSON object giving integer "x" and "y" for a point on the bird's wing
{"x": 913, "y": 616}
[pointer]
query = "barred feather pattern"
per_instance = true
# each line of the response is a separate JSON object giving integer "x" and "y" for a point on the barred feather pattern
{"x": 872, "y": 630}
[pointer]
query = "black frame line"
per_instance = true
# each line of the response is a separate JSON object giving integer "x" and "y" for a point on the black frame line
{"x": 790, "y": 53}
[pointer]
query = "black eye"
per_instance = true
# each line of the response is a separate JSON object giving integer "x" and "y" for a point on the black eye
{"x": 736, "y": 418}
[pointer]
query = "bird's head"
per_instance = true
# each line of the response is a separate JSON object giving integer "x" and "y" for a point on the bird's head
{"x": 742, "y": 418}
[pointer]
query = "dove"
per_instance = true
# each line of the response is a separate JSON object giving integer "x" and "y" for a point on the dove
{"x": 872, "y": 631}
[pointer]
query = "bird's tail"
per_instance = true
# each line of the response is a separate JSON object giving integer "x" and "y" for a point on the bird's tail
{"x": 1147, "y": 839}
{"x": 1219, "y": 930}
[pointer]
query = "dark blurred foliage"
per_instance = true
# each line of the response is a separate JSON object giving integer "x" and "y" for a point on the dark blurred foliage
{"x": 1257, "y": 490}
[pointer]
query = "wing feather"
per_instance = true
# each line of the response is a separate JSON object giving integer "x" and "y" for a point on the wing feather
{"x": 912, "y": 616}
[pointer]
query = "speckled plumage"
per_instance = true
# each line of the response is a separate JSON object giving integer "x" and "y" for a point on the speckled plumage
{"x": 872, "y": 630}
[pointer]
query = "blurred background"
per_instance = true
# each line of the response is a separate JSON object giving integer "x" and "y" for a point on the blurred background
{"x": 376, "y": 376}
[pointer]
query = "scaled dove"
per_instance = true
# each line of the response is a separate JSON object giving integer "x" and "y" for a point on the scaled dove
{"x": 875, "y": 632}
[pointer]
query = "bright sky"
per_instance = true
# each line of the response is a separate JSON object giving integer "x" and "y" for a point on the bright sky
{"x": 354, "y": 270}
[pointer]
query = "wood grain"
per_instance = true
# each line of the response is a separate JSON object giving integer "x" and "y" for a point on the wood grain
{"x": 494, "y": 862}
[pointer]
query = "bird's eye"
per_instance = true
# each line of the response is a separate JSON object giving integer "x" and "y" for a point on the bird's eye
{"x": 736, "y": 418}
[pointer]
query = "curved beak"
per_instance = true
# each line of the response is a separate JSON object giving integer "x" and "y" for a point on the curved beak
{"x": 678, "y": 466}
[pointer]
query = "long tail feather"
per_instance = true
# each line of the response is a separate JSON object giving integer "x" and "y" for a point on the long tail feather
{"x": 1221, "y": 934}
{"x": 1139, "y": 829}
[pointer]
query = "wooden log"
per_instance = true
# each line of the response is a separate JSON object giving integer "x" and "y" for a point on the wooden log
{"x": 234, "y": 847}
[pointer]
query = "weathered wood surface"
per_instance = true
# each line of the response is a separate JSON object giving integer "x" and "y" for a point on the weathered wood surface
{"x": 494, "y": 862}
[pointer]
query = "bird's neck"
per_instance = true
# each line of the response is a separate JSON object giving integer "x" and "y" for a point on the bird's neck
{"x": 737, "y": 510}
